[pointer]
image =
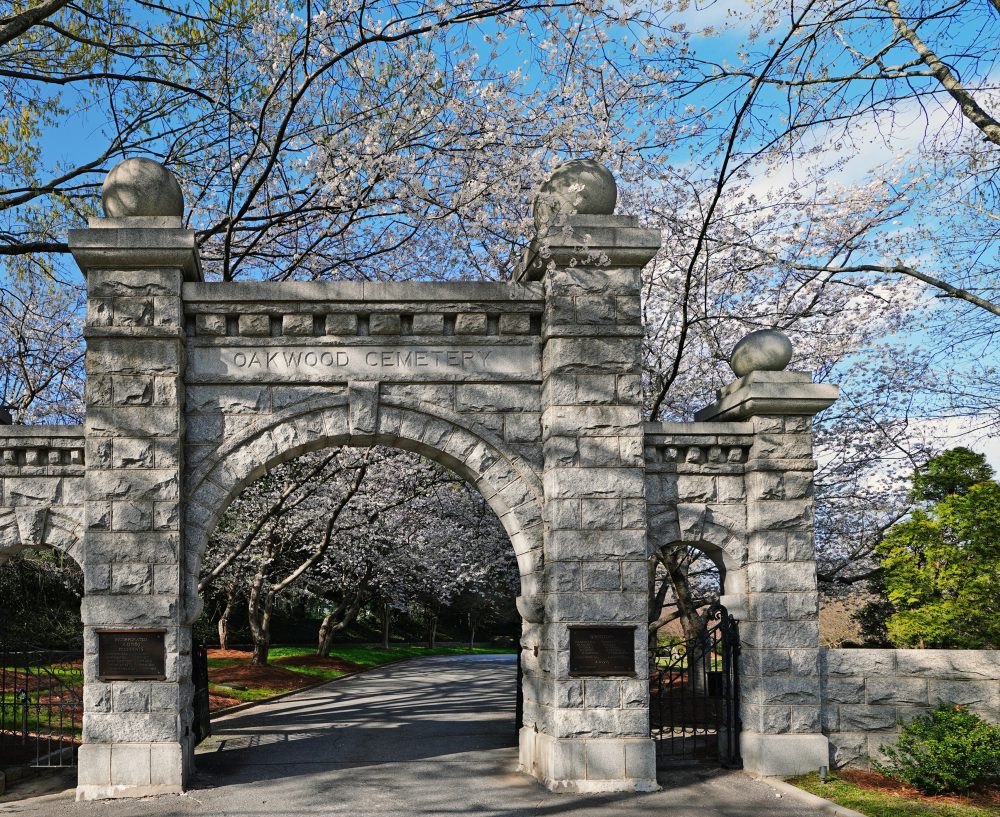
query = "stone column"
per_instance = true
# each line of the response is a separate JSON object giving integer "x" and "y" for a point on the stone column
{"x": 136, "y": 733}
{"x": 779, "y": 670}
{"x": 586, "y": 732}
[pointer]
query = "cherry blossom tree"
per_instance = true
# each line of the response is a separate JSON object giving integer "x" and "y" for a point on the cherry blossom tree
{"x": 823, "y": 169}
{"x": 347, "y": 529}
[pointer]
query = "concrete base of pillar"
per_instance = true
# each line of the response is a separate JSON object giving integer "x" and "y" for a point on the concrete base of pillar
{"x": 783, "y": 755}
{"x": 589, "y": 766}
{"x": 108, "y": 770}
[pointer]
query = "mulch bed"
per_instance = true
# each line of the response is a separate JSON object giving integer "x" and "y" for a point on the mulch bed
{"x": 16, "y": 753}
{"x": 987, "y": 798}
{"x": 217, "y": 653}
{"x": 273, "y": 676}
{"x": 217, "y": 702}
{"x": 252, "y": 676}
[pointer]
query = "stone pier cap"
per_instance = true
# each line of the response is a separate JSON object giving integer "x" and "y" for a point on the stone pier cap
{"x": 769, "y": 393}
{"x": 143, "y": 224}
{"x": 763, "y": 387}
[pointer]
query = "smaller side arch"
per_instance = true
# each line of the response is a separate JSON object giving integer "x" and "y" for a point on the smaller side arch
{"x": 25, "y": 527}
{"x": 718, "y": 531}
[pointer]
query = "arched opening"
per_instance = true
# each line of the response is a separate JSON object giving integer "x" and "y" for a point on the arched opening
{"x": 508, "y": 485}
{"x": 41, "y": 666}
{"x": 693, "y": 653}
{"x": 340, "y": 538}
{"x": 491, "y": 505}
{"x": 686, "y": 578}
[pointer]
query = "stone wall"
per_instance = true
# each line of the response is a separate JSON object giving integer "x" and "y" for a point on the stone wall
{"x": 867, "y": 694}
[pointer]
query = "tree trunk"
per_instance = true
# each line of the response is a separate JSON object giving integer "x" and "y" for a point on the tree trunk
{"x": 336, "y": 621}
{"x": 261, "y": 647}
{"x": 259, "y": 615}
{"x": 227, "y": 611}
{"x": 386, "y": 614}
{"x": 330, "y": 621}
{"x": 265, "y": 627}
{"x": 687, "y": 607}
{"x": 472, "y": 632}
{"x": 432, "y": 634}
{"x": 692, "y": 623}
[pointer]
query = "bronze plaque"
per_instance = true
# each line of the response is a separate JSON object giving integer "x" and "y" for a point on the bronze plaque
{"x": 131, "y": 655}
{"x": 602, "y": 650}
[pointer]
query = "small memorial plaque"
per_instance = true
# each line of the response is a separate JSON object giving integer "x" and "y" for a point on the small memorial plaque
{"x": 602, "y": 650}
{"x": 131, "y": 655}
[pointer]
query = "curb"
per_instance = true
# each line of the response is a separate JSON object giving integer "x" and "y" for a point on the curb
{"x": 231, "y": 710}
{"x": 12, "y": 774}
{"x": 817, "y": 802}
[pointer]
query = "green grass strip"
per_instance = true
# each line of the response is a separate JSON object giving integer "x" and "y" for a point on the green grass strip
{"x": 881, "y": 804}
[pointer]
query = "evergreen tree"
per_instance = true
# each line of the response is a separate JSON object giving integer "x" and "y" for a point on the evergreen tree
{"x": 941, "y": 566}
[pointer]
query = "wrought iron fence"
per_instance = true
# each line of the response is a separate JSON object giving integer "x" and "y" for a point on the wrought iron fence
{"x": 694, "y": 695}
{"x": 41, "y": 706}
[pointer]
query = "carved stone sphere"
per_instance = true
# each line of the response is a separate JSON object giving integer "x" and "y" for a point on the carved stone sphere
{"x": 766, "y": 350}
{"x": 581, "y": 186}
{"x": 141, "y": 187}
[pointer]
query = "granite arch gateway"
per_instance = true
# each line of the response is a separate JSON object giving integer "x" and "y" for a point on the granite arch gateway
{"x": 530, "y": 389}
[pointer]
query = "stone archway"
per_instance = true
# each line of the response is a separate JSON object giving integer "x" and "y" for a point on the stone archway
{"x": 531, "y": 390}
{"x": 509, "y": 486}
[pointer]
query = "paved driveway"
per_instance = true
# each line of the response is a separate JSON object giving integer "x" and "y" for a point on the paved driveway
{"x": 431, "y": 737}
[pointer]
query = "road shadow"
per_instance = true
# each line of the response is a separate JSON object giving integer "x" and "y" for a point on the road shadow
{"x": 400, "y": 714}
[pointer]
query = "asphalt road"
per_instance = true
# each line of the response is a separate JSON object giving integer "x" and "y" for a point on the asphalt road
{"x": 432, "y": 737}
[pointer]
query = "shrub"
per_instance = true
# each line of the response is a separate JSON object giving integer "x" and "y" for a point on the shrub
{"x": 947, "y": 750}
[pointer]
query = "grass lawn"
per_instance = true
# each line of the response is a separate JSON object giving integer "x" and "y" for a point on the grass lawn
{"x": 295, "y": 667}
{"x": 878, "y": 802}
{"x": 365, "y": 656}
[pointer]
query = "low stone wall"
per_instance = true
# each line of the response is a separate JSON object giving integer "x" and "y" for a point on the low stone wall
{"x": 868, "y": 694}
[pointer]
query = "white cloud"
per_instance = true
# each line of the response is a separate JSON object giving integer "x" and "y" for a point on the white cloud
{"x": 867, "y": 146}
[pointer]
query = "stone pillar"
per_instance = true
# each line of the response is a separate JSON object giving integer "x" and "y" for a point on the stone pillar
{"x": 586, "y": 732}
{"x": 136, "y": 733}
{"x": 779, "y": 670}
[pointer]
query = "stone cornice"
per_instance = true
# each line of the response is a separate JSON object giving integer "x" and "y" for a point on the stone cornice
{"x": 403, "y": 292}
{"x": 590, "y": 241}
{"x": 130, "y": 246}
{"x": 769, "y": 393}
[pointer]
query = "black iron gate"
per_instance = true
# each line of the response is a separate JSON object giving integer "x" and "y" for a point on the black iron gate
{"x": 199, "y": 676}
{"x": 694, "y": 695}
{"x": 41, "y": 707}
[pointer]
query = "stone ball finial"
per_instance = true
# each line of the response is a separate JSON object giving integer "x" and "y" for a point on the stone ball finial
{"x": 580, "y": 186}
{"x": 766, "y": 350}
{"x": 141, "y": 187}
